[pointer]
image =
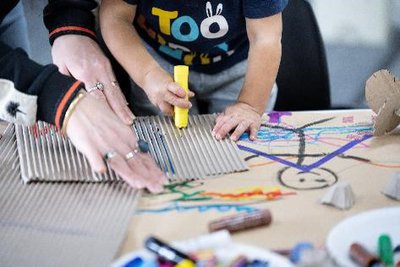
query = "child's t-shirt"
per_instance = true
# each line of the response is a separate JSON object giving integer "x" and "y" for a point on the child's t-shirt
{"x": 208, "y": 36}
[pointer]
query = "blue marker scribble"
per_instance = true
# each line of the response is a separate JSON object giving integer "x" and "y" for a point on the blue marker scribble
{"x": 175, "y": 206}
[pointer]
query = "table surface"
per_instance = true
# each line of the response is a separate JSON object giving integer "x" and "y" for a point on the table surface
{"x": 335, "y": 148}
{"x": 304, "y": 150}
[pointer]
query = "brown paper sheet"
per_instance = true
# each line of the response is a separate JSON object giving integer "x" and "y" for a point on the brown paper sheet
{"x": 307, "y": 150}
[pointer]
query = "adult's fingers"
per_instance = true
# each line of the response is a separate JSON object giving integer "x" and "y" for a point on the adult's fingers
{"x": 122, "y": 168}
{"x": 115, "y": 97}
{"x": 148, "y": 174}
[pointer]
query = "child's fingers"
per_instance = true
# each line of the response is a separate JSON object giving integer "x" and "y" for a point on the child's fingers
{"x": 166, "y": 108}
{"x": 253, "y": 131}
{"x": 225, "y": 128}
{"x": 177, "y": 101}
{"x": 221, "y": 119}
{"x": 240, "y": 129}
{"x": 191, "y": 93}
{"x": 176, "y": 89}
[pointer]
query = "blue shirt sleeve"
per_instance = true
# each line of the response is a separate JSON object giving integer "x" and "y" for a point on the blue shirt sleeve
{"x": 263, "y": 8}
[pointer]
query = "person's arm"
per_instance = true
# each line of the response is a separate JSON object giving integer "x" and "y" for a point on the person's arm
{"x": 116, "y": 18}
{"x": 263, "y": 62}
{"x": 39, "y": 85}
{"x": 75, "y": 51}
{"x": 29, "y": 92}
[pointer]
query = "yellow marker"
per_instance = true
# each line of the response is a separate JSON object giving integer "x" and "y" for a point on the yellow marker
{"x": 185, "y": 263}
{"x": 181, "y": 76}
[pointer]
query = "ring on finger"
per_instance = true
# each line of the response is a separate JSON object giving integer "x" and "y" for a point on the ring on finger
{"x": 109, "y": 155}
{"x": 131, "y": 154}
{"x": 141, "y": 147}
{"x": 97, "y": 86}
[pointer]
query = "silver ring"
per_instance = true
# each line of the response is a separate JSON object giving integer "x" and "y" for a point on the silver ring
{"x": 97, "y": 86}
{"x": 114, "y": 83}
{"x": 131, "y": 154}
{"x": 109, "y": 155}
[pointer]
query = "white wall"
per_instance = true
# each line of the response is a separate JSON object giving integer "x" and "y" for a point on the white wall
{"x": 354, "y": 22}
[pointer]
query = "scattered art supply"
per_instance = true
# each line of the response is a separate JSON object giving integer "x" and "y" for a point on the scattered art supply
{"x": 181, "y": 76}
{"x": 392, "y": 189}
{"x": 340, "y": 196}
{"x": 242, "y": 221}
{"x": 59, "y": 224}
{"x": 362, "y": 256}
{"x": 183, "y": 154}
{"x": 168, "y": 253}
{"x": 240, "y": 261}
{"x": 385, "y": 250}
{"x": 382, "y": 92}
{"x": 298, "y": 250}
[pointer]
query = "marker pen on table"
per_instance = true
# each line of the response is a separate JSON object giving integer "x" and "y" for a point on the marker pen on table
{"x": 181, "y": 76}
{"x": 168, "y": 253}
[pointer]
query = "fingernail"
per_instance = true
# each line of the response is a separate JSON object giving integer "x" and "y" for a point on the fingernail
{"x": 190, "y": 105}
{"x": 218, "y": 136}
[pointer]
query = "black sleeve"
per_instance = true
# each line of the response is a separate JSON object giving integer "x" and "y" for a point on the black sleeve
{"x": 54, "y": 91}
{"x": 70, "y": 17}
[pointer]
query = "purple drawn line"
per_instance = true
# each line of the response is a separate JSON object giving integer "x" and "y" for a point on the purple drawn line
{"x": 275, "y": 116}
{"x": 308, "y": 168}
{"x": 274, "y": 158}
{"x": 337, "y": 152}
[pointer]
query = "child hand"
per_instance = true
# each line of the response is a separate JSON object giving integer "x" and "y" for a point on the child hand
{"x": 239, "y": 116}
{"x": 164, "y": 93}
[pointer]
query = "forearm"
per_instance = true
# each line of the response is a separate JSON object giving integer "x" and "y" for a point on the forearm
{"x": 265, "y": 36}
{"x": 124, "y": 42}
{"x": 263, "y": 63}
{"x": 53, "y": 91}
{"x": 70, "y": 17}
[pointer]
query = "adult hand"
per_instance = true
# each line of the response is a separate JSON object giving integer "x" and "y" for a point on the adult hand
{"x": 241, "y": 117}
{"x": 81, "y": 57}
{"x": 96, "y": 131}
{"x": 164, "y": 93}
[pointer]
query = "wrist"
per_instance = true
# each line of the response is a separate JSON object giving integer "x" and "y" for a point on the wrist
{"x": 259, "y": 109}
{"x": 71, "y": 109}
{"x": 155, "y": 74}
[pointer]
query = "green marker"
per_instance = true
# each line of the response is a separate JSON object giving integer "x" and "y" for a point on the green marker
{"x": 385, "y": 250}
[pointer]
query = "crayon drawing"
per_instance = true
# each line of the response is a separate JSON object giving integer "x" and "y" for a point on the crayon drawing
{"x": 290, "y": 145}
{"x": 293, "y": 153}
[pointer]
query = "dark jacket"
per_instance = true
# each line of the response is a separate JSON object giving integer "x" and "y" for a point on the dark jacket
{"x": 32, "y": 84}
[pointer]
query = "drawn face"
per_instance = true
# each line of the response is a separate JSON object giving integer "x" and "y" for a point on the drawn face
{"x": 316, "y": 179}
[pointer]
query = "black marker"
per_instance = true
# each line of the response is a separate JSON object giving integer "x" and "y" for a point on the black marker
{"x": 166, "y": 252}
